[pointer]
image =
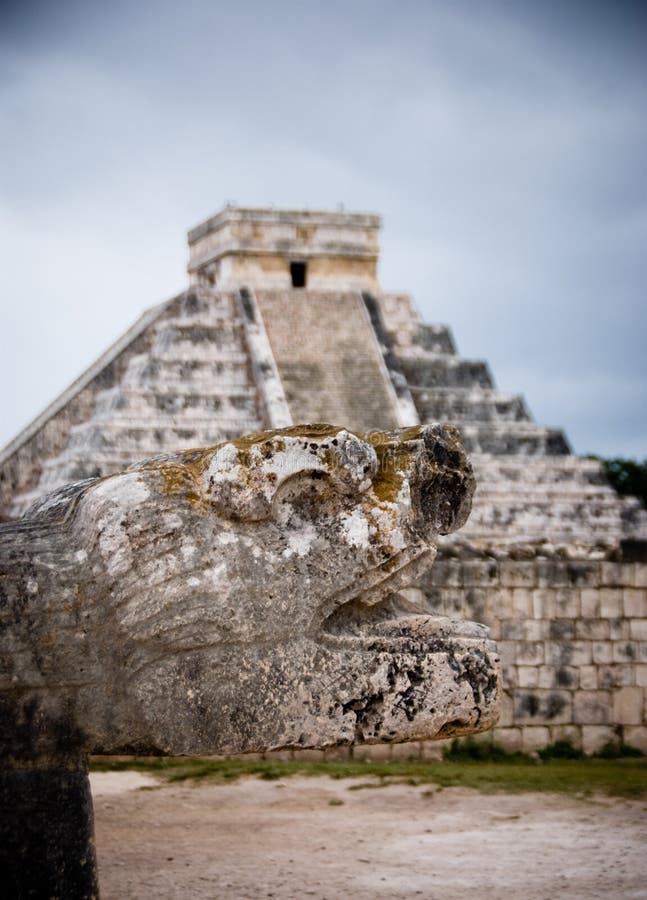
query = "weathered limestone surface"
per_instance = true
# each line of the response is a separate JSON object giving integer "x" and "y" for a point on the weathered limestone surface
{"x": 244, "y": 349}
{"x": 239, "y": 598}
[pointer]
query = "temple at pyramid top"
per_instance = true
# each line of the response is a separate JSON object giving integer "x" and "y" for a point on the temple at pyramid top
{"x": 284, "y": 249}
{"x": 284, "y": 321}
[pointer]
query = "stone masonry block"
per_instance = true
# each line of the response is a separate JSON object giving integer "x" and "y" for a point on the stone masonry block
{"x": 602, "y": 652}
{"x": 479, "y": 573}
{"x": 453, "y": 601}
{"x": 635, "y": 603}
{"x": 568, "y": 653}
{"x": 558, "y": 653}
{"x": 631, "y": 574}
{"x": 501, "y": 603}
{"x": 594, "y": 737}
{"x": 567, "y": 603}
{"x": 571, "y": 733}
{"x": 534, "y": 737}
{"x": 592, "y": 629}
{"x": 559, "y": 677}
{"x": 638, "y": 629}
{"x": 528, "y": 676}
{"x": 435, "y": 599}
{"x": 625, "y": 651}
{"x": 590, "y": 603}
{"x": 567, "y": 677}
{"x": 507, "y": 652}
{"x": 583, "y": 573}
{"x": 512, "y": 630}
{"x": 540, "y": 706}
{"x": 588, "y": 678}
{"x": 615, "y": 676}
{"x": 495, "y": 629}
{"x": 592, "y": 707}
{"x": 628, "y": 706}
{"x": 543, "y": 603}
{"x": 518, "y": 574}
{"x": 507, "y": 709}
{"x": 641, "y": 675}
{"x": 535, "y": 629}
{"x": 640, "y": 575}
{"x": 446, "y": 573}
{"x": 581, "y": 655}
{"x": 642, "y": 651}
{"x": 551, "y": 573}
{"x": 636, "y": 735}
{"x": 618, "y": 574}
{"x": 475, "y": 604}
{"x": 509, "y": 738}
{"x": 509, "y": 677}
{"x": 611, "y": 575}
{"x": 619, "y": 629}
{"x": 522, "y": 602}
{"x": 561, "y": 630}
{"x": 611, "y": 605}
{"x": 546, "y": 677}
{"x": 530, "y": 653}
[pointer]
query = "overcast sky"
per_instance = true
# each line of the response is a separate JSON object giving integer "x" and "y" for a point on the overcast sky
{"x": 505, "y": 145}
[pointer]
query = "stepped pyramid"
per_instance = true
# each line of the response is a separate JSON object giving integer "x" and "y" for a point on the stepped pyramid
{"x": 284, "y": 321}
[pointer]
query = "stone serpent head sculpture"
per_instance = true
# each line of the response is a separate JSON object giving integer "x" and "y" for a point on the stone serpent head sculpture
{"x": 240, "y": 598}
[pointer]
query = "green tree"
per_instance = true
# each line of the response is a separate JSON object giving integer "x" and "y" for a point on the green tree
{"x": 627, "y": 476}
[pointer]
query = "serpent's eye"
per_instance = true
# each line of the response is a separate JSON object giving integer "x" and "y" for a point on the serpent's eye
{"x": 310, "y": 493}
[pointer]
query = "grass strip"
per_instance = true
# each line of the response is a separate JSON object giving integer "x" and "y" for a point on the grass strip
{"x": 617, "y": 777}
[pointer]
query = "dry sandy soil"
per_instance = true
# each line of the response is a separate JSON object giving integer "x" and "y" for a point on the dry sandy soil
{"x": 315, "y": 837}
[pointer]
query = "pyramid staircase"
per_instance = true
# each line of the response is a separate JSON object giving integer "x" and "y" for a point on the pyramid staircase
{"x": 530, "y": 488}
{"x": 193, "y": 387}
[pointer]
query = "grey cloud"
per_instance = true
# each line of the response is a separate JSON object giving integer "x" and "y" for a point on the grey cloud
{"x": 504, "y": 145}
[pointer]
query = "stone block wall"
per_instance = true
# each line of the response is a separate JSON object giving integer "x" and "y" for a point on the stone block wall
{"x": 572, "y": 635}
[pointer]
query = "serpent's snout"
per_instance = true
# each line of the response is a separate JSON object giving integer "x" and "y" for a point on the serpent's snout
{"x": 432, "y": 460}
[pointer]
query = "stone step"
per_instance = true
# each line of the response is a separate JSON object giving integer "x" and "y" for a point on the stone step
{"x": 538, "y": 469}
{"x": 160, "y": 373}
{"x": 328, "y": 357}
{"x": 95, "y": 452}
{"x": 128, "y": 419}
{"x": 185, "y": 336}
{"x": 132, "y": 436}
{"x": 134, "y": 400}
{"x": 431, "y": 339}
{"x": 506, "y": 511}
{"x": 199, "y": 302}
{"x": 504, "y": 491}
{"x": 519, "y": 438}
{"x": 465, "y": 405}
{"x": 501, "y": 524}
{"x": 408, "y": 334}
{"x": 433, "y": 370}
{"x": 231, "y": 354}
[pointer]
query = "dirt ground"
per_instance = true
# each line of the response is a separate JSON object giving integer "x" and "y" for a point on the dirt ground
{"x": 316, "y": 837}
